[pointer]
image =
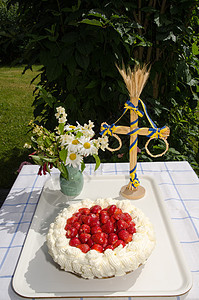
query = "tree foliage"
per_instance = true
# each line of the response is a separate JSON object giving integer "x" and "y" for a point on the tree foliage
{"x": 79, "y": 42}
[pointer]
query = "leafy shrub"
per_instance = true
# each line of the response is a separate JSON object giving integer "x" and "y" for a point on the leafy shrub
{"x": 78, "y": 43}
{"x": 12, "y": 40}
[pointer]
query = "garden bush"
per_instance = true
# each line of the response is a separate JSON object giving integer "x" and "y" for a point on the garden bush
{"x": 78, "y": 44}
{"x": 12, "y": 39}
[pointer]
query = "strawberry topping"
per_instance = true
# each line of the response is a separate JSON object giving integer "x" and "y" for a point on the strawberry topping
{"x": 99, "y": 229}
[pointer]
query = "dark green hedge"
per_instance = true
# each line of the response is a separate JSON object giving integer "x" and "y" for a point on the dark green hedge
{"x": 79, "y": 42}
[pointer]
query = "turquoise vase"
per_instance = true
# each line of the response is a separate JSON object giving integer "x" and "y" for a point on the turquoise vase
{"x": 73, "y": 186}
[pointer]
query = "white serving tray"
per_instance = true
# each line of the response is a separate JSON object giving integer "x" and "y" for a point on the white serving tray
{"x": 164, "y": 274}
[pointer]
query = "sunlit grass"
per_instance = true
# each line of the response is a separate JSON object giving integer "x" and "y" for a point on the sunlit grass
{"x": 16, "y": 111}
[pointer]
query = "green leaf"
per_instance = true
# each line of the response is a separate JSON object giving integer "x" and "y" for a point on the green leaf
{"x": 92, "y": 84}
{"x": 61, "y": 128}
{"x": 82, "y": 60}
{"x": 195, "y": 49}
{"x": 53, "y": 69}
{"x": 36, "y": 159}
{"x": 63, "y": 155}
{"x": 82, "y": 166}
{"x": 48, "y": 159}
{"x": 79, "y": 134}
{"x": 97, "y": 160}
{"x": 92, "y": 22}
{"x": 71, "y": 102}
{"x": 62, "y": 168}
{"x": 71, "y": 64}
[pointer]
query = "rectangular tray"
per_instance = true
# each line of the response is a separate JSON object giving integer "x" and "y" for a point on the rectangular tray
{"x": 164, "y": 274}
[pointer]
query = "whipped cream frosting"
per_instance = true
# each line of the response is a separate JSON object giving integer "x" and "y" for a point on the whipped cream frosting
{"x": 110, "y": 263}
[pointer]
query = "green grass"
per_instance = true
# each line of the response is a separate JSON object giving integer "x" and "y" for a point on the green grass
{"x": 16, "y": 111}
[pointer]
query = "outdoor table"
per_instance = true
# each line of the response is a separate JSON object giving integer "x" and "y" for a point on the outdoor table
{"x": 180, "y": 190}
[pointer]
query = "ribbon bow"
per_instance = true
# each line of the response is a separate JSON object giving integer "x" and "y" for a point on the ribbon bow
{"x": 107, "y": 129}
{"x": 157, "y": 132}
{"x": 129, "y": 105}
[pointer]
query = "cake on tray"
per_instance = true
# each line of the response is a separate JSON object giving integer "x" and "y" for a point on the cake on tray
{"x": 101, "y": 238}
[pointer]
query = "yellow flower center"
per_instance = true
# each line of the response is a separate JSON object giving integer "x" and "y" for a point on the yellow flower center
{"x": 75, "y": 142}
{"x": 72, "y": 156}
{"x": 87, "y": 145}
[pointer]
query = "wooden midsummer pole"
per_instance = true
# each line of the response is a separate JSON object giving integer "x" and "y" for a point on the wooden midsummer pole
{"x": 135, "y": 81}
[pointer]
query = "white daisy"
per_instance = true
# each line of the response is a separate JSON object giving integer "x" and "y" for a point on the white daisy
{"x": 74, "y": 159}
{"x": 87, "y": 147}
{"x": 66, "y": 139}
{"x": 74, "y": 145}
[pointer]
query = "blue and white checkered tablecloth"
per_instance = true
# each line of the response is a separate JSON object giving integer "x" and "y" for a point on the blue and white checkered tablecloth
{"x": 180, "y": 189}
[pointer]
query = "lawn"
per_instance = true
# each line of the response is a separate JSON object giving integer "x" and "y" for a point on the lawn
{"x": 16, "y": 111}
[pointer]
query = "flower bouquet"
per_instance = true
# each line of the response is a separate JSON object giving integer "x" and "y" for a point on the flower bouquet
{"x": 65, "y": 147}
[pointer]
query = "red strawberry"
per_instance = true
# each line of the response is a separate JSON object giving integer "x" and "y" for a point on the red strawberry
{"x": 105, "y": 243}
{"x": 95, "y": 209}
{"x": 121, "y": 224}
{"x": 132, "y": 223}
{"x": 111, "y": 209}
{"x": 77, "y": 214}
{"x": 86, "y": 219}
{"x": 84, "y": 237}
{"x": 112, "y": 238}
{"x": 83, "y": 247}
{"x": 129, "y": 239}
{"x": 90, "y": 242}
{"x": 123, "y": 235}
{"x": 94, "y": 222}
{"x": 104, "y": 217}
{"x": 113, "y": 220}
{"x": 119, "y": 242}
{"x": 127, "y": 218}
{"x": 67, "y": 226}
{"x": 74, "y": 242}
{"x": 72, "y": 220}
{"x": 104, "y": 209}
{"x": 77, "y": 225}
{"x": 71, "y": 232}
{"x": 97, "y": 247}
{"x": 84, "y": 211}
{"x": 96, "y": 229}
{"x": 99, "y": 238}
{"x": 131, "y": 229}
{"x": 121, "y": 216}
{"x": 109, "y": 247}
{"x": 84, "y": 229}
{"x": 108, "y": 227}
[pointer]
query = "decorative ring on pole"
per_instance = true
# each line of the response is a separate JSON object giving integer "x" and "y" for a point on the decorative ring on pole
{"x": 105, "y": 125}
{"x": 120, "y": 143}
{"x": 157, "y": 155}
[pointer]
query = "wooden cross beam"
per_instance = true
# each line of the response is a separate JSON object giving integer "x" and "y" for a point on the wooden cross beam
{"x": 135, "y": 81}
{"x": 128, "y": 191}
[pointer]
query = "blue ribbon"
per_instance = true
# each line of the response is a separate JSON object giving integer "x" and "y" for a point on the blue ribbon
{"x": 156, "y": 132}
{"x": 108, "y": 129}
{"x": 130, "y": 105}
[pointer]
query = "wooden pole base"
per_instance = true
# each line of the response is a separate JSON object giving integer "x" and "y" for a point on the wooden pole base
{"x": 135, "y": 194}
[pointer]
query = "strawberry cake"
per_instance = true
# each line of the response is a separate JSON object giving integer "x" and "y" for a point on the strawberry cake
{"x": 101, "y": 239}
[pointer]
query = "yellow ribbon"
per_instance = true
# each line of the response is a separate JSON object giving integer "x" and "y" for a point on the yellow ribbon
{"x": 108, "y": 129}
{"x": 134, "y": 180}
{"x": 157, "y": 132}
{"x": 129, "y": 105}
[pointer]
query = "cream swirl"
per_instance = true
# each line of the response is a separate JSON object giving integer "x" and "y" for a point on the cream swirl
{"x": 110, "y": 263}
